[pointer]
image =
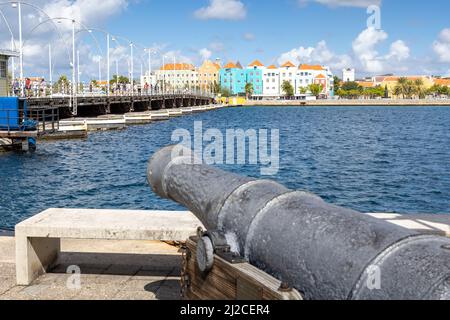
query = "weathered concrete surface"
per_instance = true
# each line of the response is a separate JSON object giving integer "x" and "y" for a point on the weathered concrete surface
{"x": 148, "y": 271}
{"x": 38, "y": 238}
{"x": 422, "y": 223}
{"x": 110, "y": 224}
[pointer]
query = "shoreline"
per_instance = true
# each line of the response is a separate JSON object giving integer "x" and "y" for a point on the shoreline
{"x": 349, "y": 103}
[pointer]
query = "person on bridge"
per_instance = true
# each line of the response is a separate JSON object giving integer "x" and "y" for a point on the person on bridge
{"x": 27, "y": 87}
{"x": 16, "y": 87}
{"x": 43, "y": 87}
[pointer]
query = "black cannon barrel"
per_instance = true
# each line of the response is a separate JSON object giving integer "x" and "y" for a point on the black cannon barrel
{"x": 322, "y": 250}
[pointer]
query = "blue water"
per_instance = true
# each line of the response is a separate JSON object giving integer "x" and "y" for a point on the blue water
{"x": 372, "y": 159}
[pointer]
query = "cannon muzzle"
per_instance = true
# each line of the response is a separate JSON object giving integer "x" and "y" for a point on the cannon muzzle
{"x": 322, "y": 250}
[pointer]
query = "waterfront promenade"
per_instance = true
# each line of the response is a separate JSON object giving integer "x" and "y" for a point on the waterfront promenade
{"x": 106, "y": 274}
{"x": 347, "y": 102}
{"x": 135, "y": 270}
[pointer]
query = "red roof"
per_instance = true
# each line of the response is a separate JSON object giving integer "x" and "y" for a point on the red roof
{"x": 256, "y": 63}
{"x": 311, "y": 67}
{"x": 288, "y": 65}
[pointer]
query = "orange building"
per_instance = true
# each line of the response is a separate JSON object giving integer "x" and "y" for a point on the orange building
{"x": 208, "y": 75}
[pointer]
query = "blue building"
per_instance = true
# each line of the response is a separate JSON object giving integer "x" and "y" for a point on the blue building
{"x": 254, "y": 73}
{"x": 233, "y": 77}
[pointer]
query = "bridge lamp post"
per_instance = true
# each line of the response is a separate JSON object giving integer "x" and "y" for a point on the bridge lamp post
{"x": 113, "y": 39}
{"x": 173, "y": 79}
{"x": 164, "y": 74}
{"x": 18, "y": 5}
{"x": 13, "y": 46}
{"x": 50, "y": 69}
{"x": 108, "y": 56}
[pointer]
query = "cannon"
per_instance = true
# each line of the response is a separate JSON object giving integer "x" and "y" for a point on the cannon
{"x": 324, "y": 251}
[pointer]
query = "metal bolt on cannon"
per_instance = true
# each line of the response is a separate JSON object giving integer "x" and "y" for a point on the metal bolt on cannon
{"x": 322, "y": 250}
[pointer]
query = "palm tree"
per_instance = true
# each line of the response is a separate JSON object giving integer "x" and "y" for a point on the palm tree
{"x": 402, "y": 83}
{"x": 249, "y": 89}
{"x": 420, "y": 91}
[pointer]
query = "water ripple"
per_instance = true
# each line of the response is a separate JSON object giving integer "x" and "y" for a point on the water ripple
{"x": 369, "y": 159}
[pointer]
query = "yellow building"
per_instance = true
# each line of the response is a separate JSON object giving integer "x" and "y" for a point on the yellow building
{"x": 208, "y": 75}
{"x": 392, "y": 81}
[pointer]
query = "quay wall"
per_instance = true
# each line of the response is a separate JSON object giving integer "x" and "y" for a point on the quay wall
{"x": 360, "y": 102}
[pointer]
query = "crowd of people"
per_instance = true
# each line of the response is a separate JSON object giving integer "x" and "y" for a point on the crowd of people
{"x": 38, "y": 87}
{"x": 31, "y": 87}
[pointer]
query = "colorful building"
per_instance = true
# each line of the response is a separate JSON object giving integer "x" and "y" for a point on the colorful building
{"x": 209, "y": 75}
{"x": 442, "y": 82}
{"x": 233, "y": 77}
{"x": 271, "y": 82}
{"x": 287, "y": 73}
{"x": 314, "y": 74}
{"x": 391, "y": 81}
{"x": 255, "y": 71}
{"x": 178, "y": 76}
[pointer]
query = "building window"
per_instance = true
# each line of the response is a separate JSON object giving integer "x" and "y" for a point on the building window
{"x": 3, "y": 69}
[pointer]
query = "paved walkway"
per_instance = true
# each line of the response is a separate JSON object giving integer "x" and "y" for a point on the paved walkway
{"x": 149, "y": 272}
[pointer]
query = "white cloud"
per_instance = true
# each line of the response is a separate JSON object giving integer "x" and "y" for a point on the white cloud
{"x": 320, "y": 54}
{"x": 89, "y": 13}
{"x": 218, "y": 46}
{"x": 399, "y": 51}
{"x": 364, "y": 48}
{"x": 364, "y": 55}
{"x": 442, "y": 46}
{"x": 205, "y": 53}
{"x": 86, "y": 11}
{"x": 344, "y": 3}
{"x": 223, "y": 10}
{"x": 249, "y": 36}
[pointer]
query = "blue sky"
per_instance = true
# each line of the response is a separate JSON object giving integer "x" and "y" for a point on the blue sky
{"x": 270, "y": 28}
{"x": 414, "y": 37}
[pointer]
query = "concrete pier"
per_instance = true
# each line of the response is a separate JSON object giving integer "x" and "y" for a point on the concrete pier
{"x": 133, "y": 270}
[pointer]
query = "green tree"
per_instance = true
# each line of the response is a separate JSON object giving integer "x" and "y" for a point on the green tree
{"x": 402, "y": 87}
{"x": 337, "y": 83}
{"x": 62, "y": 85}
{"x": 287, "y": 88}
{"x": 249, "y": 89}
{"x": 316, "y": 89}
{"x": 226, "y": 92}
{"x": 351, "y": 90}
{"x": 94, "y": 83}
{"x": 351, "y": 85}
{"x": 303, "y": 90}
{"x": 438, "y": 90}
{"x": 216, "y": 87}
{"x": 419, "y": 88}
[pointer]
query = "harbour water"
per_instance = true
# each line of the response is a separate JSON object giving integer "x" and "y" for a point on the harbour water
{"x": 372, "y": 159}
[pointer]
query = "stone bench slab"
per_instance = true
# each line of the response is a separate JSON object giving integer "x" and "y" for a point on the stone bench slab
{"x": 38, "y": 239}
{"x": 111, "y": 224}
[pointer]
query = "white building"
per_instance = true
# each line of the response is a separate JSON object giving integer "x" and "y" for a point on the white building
{"x": 150, "y": 80}
{"x": 288, "y": 72}
{"x": 271, "y": 82}
{"x": 178, "y": 76}
{"x": 348, "y": 75}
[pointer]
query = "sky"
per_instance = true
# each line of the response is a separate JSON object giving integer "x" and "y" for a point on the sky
{"x": 373, "y": 36}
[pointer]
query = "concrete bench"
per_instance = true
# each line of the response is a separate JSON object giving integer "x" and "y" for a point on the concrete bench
{"x": 38, "y": 238}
